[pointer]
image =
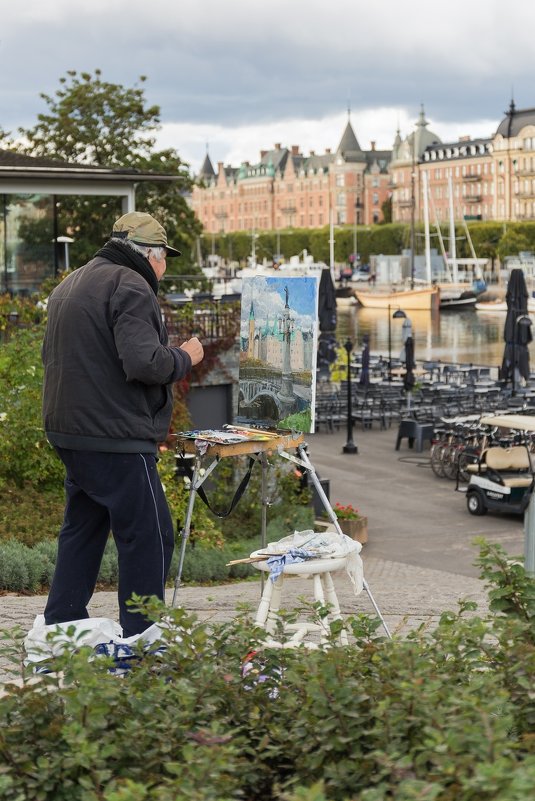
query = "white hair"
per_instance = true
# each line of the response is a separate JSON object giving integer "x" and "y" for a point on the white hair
{"x": 158, "y": 251}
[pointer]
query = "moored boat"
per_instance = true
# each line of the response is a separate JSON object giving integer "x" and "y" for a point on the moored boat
{"x": 498, "y": 305}
{"x": 455, "y": 296}
{"x": 426, "y": 298}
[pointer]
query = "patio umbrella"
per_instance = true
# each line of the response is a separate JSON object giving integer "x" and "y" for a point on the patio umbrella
{"x": 364, "y": 378}
{"x": 327, "y": 324}
{"x": 517, "y": 330}
{"x": 410, "y": 364}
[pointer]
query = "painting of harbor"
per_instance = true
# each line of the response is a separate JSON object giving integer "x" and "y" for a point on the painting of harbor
{"x": 278, "y": 347}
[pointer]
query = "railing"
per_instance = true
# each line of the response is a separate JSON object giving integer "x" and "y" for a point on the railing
{"x": 212, "y": 321}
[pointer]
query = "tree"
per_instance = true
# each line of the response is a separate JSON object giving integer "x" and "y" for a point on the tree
{"x": 94, "y": 122}
{"x": 386, "y": 208}
{"x": 511, "y": 243}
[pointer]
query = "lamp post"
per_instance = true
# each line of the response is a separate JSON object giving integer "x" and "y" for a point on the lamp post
{"x": 398, "y": 315}
{"x": 66, "y": 240}
{"x": 350, "y": 446}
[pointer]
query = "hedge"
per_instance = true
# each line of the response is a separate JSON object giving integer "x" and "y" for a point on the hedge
{"x": 441, "y": 715}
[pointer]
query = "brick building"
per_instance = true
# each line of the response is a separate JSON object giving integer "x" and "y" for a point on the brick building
{"x": 490, "y": 179}
{"x": 286, "y": 189}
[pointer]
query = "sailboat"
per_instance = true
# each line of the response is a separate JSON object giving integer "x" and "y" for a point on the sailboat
{"x": 454, "y": 294}
{"x": 414, "y": 297}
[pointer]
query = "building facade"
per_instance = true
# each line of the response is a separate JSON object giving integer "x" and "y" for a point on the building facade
{"x": 286, "y": 189}
{"x": 486, "y": 179}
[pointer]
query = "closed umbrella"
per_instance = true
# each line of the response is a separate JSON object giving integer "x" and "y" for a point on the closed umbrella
{"x": 327, "y": 346}
{"x": 364, "y": 378}
{"x": 517, "y": 331}
{"x": 410, "y": 364}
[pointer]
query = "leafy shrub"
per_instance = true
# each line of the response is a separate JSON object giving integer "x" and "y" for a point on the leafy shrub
{"x": 29, "y": 514}
{"x": 443, "y": 715}
{"x": 24, "y": 569}
{"x": 25, "y": 454}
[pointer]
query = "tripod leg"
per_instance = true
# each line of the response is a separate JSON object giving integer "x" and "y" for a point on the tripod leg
{"x": 332, "y": 517}
{"x": 186, "y": 530}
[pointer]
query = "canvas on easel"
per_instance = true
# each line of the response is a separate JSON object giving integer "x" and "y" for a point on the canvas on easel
{"x": 278, "y": 351}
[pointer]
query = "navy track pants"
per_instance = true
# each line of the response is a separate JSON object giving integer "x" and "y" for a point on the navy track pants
{"x": 120, "y": 492}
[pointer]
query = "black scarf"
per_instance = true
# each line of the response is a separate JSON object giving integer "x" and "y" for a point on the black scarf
{"x": 121, "y": 254}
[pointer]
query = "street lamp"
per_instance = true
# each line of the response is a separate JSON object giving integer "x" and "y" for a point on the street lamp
{"x": 398, "y": 315}
{"x": 350, "y": 446}
{"x": 66, "y": 240}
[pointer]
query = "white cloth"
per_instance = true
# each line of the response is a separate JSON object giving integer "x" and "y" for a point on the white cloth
{"x": 45, "y": 642}
{"x": 325, "y": 545}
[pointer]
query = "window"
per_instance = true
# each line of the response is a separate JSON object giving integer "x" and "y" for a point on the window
{"x": 375, "y": 198}
{"x": 26, "y": 259}
{"x": 340, "y": 180}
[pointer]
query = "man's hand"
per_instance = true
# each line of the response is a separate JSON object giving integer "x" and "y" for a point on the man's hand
{"x": 195, "y": 350}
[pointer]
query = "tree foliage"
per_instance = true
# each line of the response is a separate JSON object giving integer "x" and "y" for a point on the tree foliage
{"x": 91, "y": 121}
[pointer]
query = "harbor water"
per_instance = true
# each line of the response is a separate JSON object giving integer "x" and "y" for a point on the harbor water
{"x": 467, "y": 336}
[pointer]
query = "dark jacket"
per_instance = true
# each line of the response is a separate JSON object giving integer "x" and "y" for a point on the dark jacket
{"x": 108, "y": 367}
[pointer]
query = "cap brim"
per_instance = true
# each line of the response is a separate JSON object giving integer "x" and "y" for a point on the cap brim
{"x": 172, "y": 251}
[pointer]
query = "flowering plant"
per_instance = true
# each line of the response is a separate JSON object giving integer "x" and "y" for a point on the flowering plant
{"x": 347, "y": 512}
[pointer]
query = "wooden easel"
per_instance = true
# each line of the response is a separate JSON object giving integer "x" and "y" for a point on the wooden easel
{"x": 204, "y": 450}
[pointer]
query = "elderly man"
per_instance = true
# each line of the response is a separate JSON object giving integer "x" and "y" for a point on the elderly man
{"x": 107, "y": 403}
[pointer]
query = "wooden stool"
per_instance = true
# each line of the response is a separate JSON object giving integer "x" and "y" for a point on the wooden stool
{"x": 324, "y": 592}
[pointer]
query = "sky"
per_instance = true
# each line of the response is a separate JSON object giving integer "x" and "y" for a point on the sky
{"x": 238, "y": 76}
{"x": 269, "y": 299}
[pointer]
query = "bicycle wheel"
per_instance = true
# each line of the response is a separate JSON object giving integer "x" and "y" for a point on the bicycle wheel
{"x": 466, "y": 458}
{"x": 449, "y": 461}
{"x": 436, "y": 459}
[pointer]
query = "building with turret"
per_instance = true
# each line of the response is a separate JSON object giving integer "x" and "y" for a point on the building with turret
{"x": 488, "y": 178}
{"x": 491, "y": 178}
{"x": 287, "y": 189}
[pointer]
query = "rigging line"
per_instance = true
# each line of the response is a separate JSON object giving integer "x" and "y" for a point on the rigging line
{"x": 469, "y": 238}
{"x": 440, "y": 239}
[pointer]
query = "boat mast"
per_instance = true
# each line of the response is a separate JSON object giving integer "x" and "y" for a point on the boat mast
{"x": 453, "y": 248}
{"x": 426, "y": 227}
{"x": 331, "y": 241}
{"x": 413, "y": 209}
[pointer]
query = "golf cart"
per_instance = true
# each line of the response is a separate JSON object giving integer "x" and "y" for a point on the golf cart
{"x": 503, "y": 478}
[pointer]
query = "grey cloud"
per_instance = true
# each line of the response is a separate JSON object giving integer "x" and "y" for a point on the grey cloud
{"x": 238, "y": 63}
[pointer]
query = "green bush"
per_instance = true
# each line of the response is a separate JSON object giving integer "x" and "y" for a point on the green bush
{"x": 29, "y": 514}
{"x": 24, "y": 569}
{"x": 25, "y": 454}
{"x": 442, "y": 715}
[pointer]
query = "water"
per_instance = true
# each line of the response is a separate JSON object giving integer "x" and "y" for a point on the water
{"x": 467, "y": 336}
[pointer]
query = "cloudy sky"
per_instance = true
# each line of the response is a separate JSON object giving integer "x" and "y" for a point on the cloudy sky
{"x": 240, "y": 75}
{"x": 269, "y": 299}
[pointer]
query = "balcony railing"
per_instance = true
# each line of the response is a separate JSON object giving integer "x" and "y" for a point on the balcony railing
{"x": 472, "y": 199}
{"x": 213, "y": 321}
{"x": 471, "y": 176}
